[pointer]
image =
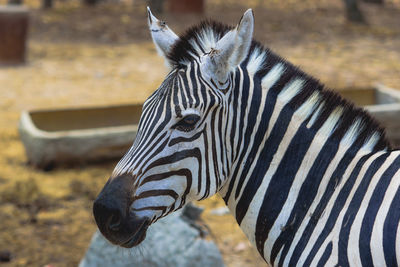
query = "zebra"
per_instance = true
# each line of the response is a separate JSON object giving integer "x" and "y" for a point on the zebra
{"x": 310, "y": 178}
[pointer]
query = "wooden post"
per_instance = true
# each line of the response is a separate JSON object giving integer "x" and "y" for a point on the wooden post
{"x": 353, "y": 12}
{"x": 13, "y": 34}
{"x": 186, "y": 6}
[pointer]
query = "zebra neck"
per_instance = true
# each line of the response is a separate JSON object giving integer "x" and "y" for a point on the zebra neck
{"x": 283, "y": 148}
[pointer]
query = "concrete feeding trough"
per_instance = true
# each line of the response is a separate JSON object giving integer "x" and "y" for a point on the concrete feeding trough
{"x": 78, "y": 135}
{"x": 381, "y": 102}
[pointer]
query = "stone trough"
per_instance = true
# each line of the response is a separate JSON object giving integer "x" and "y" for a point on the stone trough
{"x": 78, "y": 135}
{"x": 81, "y": 135}
{"x": 382, "y": 103}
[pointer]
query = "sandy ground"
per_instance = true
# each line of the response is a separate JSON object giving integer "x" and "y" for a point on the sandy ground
{"x": 101, "y": 56}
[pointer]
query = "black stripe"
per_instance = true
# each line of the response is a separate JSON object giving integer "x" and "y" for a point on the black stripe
{"x": 182, "y": 139}
{"x": 325, "y": 256}
{"x": 215, "y": 162}
{"x": 203, "y": 90}
{"x": 161, "y": 176}
{"x": 281, "y": 182}
{"x": 244, "y": 96}
{"x": 390, "y": 228}
{"x": 175, "y": 157}
{"x": 158, "y": 192}
{"x": 234, "y": 98}
{"x": 174, "y": 89}
{"x": 183, "y": 90}
{"x": 222, "y": 147}
{"x": 196, "y": 88}
{"x": 207, "y": 171}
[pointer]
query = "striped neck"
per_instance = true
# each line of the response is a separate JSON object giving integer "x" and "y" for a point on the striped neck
{"x": 285, "y": 132}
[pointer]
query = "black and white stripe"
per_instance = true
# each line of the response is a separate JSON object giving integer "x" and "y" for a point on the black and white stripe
{"x": 310, "y": 178}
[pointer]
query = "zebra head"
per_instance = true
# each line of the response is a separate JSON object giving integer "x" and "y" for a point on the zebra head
{"x": 181, "y": 151}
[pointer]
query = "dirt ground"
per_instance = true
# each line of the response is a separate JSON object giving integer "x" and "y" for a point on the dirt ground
{"x": 80, "y": 56}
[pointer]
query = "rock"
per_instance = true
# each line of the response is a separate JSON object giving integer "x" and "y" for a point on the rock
{"x": 171, "y": 241}
{"x": 220, "y": 211}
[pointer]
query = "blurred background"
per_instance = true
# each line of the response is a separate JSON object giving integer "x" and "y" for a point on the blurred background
{"x": 99, "y": 52}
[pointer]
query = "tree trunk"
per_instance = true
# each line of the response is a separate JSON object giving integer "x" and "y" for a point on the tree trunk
{"x": 353, "y": 12}
{"x": 15, "y": 2}
{"x": 90, "y": 2}
{"x": 47, "y": 4}
{"x": 157, "y": 6}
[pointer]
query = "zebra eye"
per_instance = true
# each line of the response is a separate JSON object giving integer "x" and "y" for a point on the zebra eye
{"x": 187, "y": 123}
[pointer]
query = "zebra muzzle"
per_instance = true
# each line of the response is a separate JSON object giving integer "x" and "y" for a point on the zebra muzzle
{"x": 112, "y": 216}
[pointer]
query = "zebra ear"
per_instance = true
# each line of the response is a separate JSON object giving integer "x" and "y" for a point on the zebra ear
{"x": 163, "y": 36}
{"x": 231, "y": 49}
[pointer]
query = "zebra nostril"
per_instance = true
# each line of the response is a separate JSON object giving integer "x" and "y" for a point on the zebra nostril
{"x": 111, "y": 205}
{"x": 108, "y": 216}
{"x": 114, "y": 222}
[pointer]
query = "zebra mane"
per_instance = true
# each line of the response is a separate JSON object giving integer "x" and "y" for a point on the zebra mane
{"x": 197, "y": 41}
{"x": 353, "y": 121}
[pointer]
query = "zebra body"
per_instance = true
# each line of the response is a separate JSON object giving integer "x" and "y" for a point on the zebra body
{"x": 310, "y": 179}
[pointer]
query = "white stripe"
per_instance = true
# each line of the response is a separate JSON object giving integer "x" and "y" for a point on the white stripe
{"x": 291, "y": 90}
{"x": 352, "y": 133}
{"x": 272, "y": 77}
{"x": 256, "y": 61}
{"x": 315, "y": 114}
{"x": 308, "y": 108}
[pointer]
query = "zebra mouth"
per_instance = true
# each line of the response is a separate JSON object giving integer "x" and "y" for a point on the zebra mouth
{"x": 137, "y": 237}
